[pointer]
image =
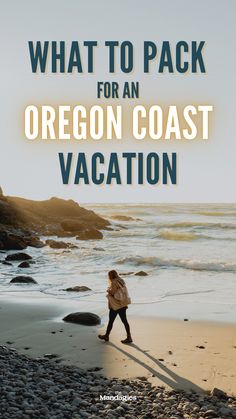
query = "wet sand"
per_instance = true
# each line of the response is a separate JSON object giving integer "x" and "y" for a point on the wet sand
{"x": 173, "y": 353}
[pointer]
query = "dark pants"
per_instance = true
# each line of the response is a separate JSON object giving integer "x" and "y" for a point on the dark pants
{"x": 112, "y": 316}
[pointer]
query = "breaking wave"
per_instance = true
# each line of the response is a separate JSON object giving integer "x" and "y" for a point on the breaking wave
{"x": 189, "y": 224}
{"x": 178, "y": 236}
{"x": 194, "y": 265}
{"x": 217, "y": 213}
{"x": 188, "y": 236}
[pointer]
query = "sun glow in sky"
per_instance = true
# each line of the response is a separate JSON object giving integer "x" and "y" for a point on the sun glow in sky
{"x": 206, "y": 169}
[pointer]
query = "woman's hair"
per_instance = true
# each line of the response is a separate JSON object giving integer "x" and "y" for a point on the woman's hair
{"x": 113, "y": 274}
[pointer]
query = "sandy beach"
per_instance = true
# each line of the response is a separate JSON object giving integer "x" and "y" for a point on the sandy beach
{"x": 172, "y": 353}
{"x": 181, "y": 363}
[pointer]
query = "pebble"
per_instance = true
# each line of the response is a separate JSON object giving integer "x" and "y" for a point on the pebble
{"x": 39, "y": 388}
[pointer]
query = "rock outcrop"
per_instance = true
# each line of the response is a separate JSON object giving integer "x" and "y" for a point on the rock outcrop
{"x": 90, "y": 234}
{"x": 11, "y": 241}
{"x": 23, "y": 220}
{"x": 54, "y": 244}
{"x": 55, "y": 216}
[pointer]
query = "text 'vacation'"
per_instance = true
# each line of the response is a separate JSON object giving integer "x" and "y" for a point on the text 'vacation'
{"x": 128, "y": 168}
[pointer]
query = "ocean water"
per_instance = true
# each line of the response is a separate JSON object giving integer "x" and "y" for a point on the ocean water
{"x": 188, "y": 251}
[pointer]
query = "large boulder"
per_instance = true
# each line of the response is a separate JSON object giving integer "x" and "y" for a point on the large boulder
{"x": 18, "y": 256}
{"x": 10, "y": 215}
{"x": 15, "y": 238}
{"x": 87, "y": 319}
{"x": 78, "y": 288}
{"x": 10, "y": 241}
{"x": 23, "y": 280}
{"x": 90, "y": 234}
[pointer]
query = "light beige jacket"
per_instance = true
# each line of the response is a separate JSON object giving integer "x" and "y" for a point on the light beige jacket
{"x": 117, "y": 294}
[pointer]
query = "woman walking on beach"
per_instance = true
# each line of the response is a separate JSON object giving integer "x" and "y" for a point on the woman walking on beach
{"x": 118, "y": 300}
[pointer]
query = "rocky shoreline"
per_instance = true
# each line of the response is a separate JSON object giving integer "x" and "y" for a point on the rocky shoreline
{"x": 23, "y": 221}
{"x": 43, "y": 388}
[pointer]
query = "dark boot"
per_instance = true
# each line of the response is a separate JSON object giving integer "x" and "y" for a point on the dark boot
{"x": 104, "y": 337}
{"x": 127, "y": 340}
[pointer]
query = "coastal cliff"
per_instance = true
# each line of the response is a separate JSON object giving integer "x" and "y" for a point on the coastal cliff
{"x": 22, "y": 221}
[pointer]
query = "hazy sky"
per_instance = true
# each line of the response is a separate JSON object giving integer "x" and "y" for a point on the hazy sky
{"x": 206, "y": 170}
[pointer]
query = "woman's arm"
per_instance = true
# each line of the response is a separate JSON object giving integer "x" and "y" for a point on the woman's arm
{"x": 112, "y": 289}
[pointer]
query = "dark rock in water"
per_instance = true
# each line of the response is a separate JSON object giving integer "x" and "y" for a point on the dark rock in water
{"x": 23, "y": 280}
{"x": 12, "y": 238}
{"x": 78, "y": 288}
{"x": 6, "y": 263}
{"x": 219, "y": 393}
{"x": 18, "y": 256}
{"x": 88, "y": 319}
{"x": 91, "y": 234}
{"x": 141, "y": 273}
{"x": 60, "y": 245}
{"x": 200, "y": 347}
{"x": 24, "y": 265}
{"x": 10, "y": 241}
{"x": 34, "y": 241}
{"x": 99, "y": 249}
{"x": 186, "y": 320}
